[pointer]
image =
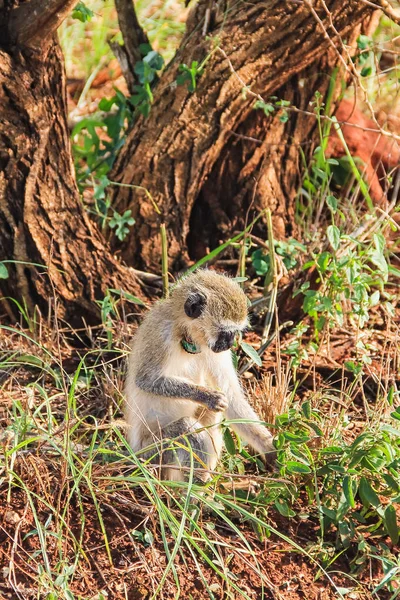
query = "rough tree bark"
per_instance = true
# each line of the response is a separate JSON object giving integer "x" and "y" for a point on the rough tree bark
{"x": 42, "y": 219}
{"x": 206, "y": 156}
{"x": 193, "y": 154}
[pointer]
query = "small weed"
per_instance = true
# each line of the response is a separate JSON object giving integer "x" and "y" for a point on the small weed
{"x": 350, "y": 282}
{"x": 3, "y": 271}
{"x": 146, "y": 71}
{"x": 82, "y": 12}
{"x": 190, "y": 75}
{"x": 273, "y": 105}
{"x": 366, "y": 56}
{"x": 290, "y": 251}
{"x": 120, "y": 224}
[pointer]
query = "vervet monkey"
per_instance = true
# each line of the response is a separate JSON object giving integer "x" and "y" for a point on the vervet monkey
{"x": 181, "y": 380}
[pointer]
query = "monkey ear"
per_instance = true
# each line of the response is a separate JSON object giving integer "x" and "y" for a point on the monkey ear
{"x": 195, "y": 305}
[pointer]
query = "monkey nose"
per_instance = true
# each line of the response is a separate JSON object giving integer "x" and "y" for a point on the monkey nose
{"x": 224, "y": 341}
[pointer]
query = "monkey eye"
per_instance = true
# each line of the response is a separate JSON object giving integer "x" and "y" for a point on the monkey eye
{"x": 194, "y": 305}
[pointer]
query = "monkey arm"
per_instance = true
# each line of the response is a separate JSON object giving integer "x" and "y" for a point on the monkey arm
{"x": 256, "y": 434}
{"x": 149, "y": 372}
{"x": 177, "y": 387}
{"x": 253, "y": 432}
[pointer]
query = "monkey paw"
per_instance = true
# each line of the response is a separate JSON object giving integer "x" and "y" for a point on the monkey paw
{"x": 218, "y": 402}
{"x": 268, "y": 455}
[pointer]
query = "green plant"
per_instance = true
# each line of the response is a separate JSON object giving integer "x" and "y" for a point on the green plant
{"x": 82, "y": 12}
{"x": 353, "y": 488}
{"x": 366, "y": 56}
{"x": 109, "y": 309}
{"x": 390, "y": 566}
{"x": 98, "y": 139}
{"x": 190, "y": 74}
{"x": 146, "y": 71}
{"x": 290, "y": 251}
{"x": 120, "y": 224}
{"x": 3, "y": 271}
{"x": 95, "y": 154}
{"x": 351, "y": 278}
{"x": 274, "y": 104}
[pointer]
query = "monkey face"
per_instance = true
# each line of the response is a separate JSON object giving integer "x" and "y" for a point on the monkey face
{"x": 224, "y": 341}
{"x": 204, "y": 328}
{"x": 214, "y": 309}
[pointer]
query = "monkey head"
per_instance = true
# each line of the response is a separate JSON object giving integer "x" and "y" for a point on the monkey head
{"x": 212, "y": 309}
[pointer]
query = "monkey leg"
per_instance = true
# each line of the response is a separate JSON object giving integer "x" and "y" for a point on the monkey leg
{"x": 183, "y": 443}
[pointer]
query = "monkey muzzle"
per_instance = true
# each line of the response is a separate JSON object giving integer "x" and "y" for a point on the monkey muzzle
{"x": 224, "y": 341}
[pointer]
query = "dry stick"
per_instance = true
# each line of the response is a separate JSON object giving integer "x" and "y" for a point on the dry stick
{"x": 379, "y": 129}
{"x": 271, "y": 279}
{"x": 349, "y": 66}
{"x": 385, "y": 7}
{"x": 264, "y": 346}
{"x": 164, "y": 260}
{"x": 353, "y": 166}
{"x": 11, "y": 575}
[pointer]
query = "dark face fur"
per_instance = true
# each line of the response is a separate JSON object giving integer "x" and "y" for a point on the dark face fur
{"x": 198, "y": 308}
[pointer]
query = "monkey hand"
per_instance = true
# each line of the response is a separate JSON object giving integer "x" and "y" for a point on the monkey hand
{"x": 217, "y": 401}
{"x": 268, "y": 454}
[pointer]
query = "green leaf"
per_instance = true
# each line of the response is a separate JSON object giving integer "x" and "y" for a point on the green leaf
{"x": 345, "y": 533}
{"x": 267, "y": 107}
{"x": 3, "y": 271}
{"x": 333, "y": 234}
{"x": 154, "y": 60}
{"x": 316, "y": 429}
{"x": 261, "y": 262}
{"x": 82, "y": 13}
{"x": 394, "y": 271}
{"x": 386, "y": 579}
{"x": 293, "y": 466}
{"x": 235, "y": 359}
{"x": 251, "y": 352}
{"x": 331, "y": 514}
{"x": 332, "y": 203}
{"x": 374, "y": 298}
{"x": 284, "y": 508}
{"x": 127, "y": 296}
{"x": 348, "y": 490}
{"x": 391, "y": 482}
{"x": 363, "y": 42}
{"x": 367, "y": 494}
{"x": 306, "y": 409}
{"x": 323, "y": 261}
{"x": 379, "y": 242}
{"x": 390, "y": 521}
{"x": 310, "y": 301}
{"x": 292, "y": 437}
{"x": 378, "y": 259}
{"x": 229, "y": 442}
{"x": 366, "y": 71}
{"x": 396, "y": 414}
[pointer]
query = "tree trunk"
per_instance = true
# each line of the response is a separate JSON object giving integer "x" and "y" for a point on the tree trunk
{"x": 206, "y": 156}
{"x": 44, "y": 228}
